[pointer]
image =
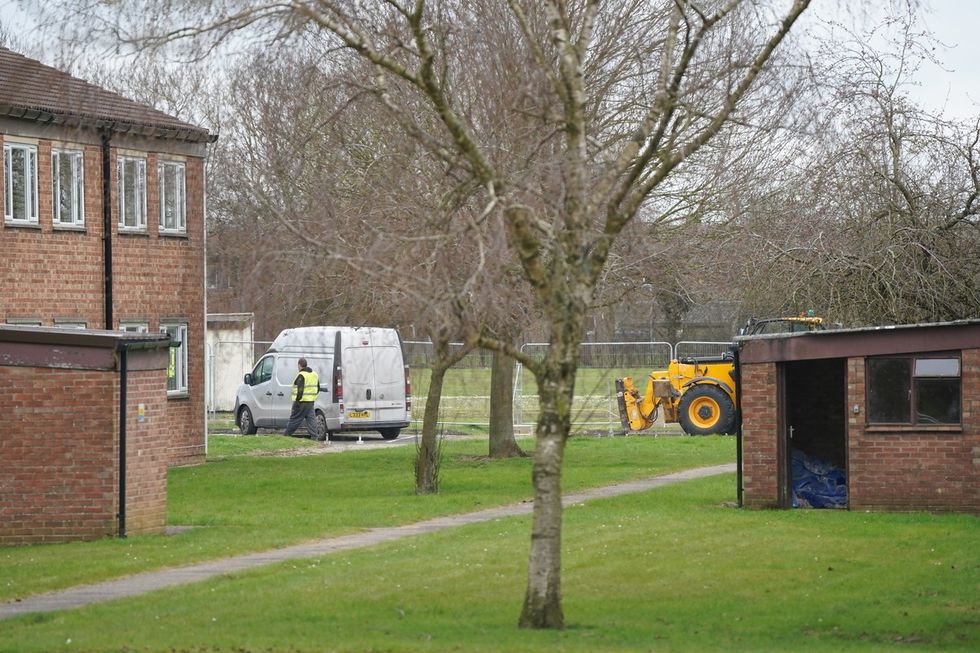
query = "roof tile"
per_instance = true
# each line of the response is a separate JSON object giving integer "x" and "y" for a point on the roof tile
{"x": 32, "y": 90}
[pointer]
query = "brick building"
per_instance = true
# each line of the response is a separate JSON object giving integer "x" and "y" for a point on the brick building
{"x": 103, "y": 223}
{"x": 894, "y": 412}
{"x": 82, "y": 455}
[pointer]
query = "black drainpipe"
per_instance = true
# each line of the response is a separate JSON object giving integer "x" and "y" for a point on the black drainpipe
{"x": 738, "y": 420}
{"x": 123, "y": 350}
{"x": 107, "y": 227}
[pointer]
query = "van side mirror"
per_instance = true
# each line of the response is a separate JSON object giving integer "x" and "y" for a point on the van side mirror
{"x": 248, "y": 379}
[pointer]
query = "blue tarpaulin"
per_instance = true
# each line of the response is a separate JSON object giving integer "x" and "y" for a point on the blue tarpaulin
{"x": 817, "y": 483}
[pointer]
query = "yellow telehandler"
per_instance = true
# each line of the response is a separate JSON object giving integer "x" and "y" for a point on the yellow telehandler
{"x": 699, "y": 393}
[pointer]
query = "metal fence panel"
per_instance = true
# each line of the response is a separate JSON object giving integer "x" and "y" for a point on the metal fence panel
{"x": 600, "y": 364}
{"x": 466, "y": 391}
{"x": 692, "y": 349}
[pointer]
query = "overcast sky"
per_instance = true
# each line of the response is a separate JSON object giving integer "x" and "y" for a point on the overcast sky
{"x": 954, "y": 87}
{"x": 956, "y": 24}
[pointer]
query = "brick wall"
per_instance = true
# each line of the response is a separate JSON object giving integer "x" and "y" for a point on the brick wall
{"x": 760, "y": 444}
{"x": 59, "y": 454}
{"x": 160, "y": 278}
{"x": 935, "y": 468}
{"x": 147, "y": 454}
{"x": 54, "y": 274}
{"x": 916, "y": 468}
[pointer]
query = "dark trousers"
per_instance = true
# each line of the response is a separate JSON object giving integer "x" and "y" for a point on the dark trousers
{"x": 303, "y": 412}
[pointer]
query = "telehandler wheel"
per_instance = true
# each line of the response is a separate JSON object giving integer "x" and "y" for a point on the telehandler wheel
{"x": 706, "y": 409}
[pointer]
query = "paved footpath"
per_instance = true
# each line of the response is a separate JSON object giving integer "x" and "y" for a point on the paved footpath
{"x": 153, "y": 580}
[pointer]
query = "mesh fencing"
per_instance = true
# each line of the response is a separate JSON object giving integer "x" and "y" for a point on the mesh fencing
{"x": 466, "y": 388}
{"x": 692, "y": 349}
{"x": 465, "y": 396}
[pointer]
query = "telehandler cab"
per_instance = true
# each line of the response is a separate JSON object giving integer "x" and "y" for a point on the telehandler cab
{"x": 699, "y": 393}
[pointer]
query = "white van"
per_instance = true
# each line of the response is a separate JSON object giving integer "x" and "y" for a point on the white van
{"x": 364, "y": 381}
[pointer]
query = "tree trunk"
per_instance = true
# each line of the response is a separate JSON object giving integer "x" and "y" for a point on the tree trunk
{"x": 427, "y": 458}
{"x": 542, "y": 601}
{"x": 502, "y": 442}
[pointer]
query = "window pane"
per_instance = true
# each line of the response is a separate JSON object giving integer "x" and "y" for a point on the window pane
{"x": 889, "y": 390}
{"x": 141, "y": 193}
{"x": 78, "y": 173}
{"x": 7, "y": 183}
{"x": 30, "y": 195}
{"x": 169, "y": 197}
{"x": 180, "y": 201}
{"x": 129, "y": 193}
{"x": 937, "y": 401}
{"x": 18, "y": 163}
{"x": 177, "y": 333}
{"x": 65, "y": 186}
{"x": 937, "y": 367}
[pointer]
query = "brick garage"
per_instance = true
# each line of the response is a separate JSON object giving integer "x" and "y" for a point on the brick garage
{"x": 896, "y": 409}
{"x": 89, "y": 236}
{"x": 65, "y": 392}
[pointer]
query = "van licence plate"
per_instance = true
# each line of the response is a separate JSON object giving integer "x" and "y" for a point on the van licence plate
{"x": 359, "y": 414}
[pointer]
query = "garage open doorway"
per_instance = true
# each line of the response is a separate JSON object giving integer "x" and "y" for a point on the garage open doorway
{"x": 813, "y": 433}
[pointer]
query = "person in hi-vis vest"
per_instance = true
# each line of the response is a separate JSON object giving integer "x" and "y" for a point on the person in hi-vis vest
{"x": 305, "y": 389}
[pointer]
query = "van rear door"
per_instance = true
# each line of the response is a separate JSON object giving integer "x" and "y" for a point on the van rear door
{"x": 374, "y": 381}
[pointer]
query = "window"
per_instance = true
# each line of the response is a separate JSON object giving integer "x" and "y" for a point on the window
{"x": 70, "y": 324}
{"x": 20, "y": 183}
{"x": 173, "y": 217}
{"x": 177, "y": 373}
{"x": 263, "y": 370}
{"x": 68, "y": 186}
{"x": 914, "y": 390}
{"x": 134, "y": 327}
{"x": 132, "y": 193}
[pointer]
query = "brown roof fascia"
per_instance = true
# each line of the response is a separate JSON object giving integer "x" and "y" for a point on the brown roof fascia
{"x": 72, "y": 348}
{"x": 850, "y": 343}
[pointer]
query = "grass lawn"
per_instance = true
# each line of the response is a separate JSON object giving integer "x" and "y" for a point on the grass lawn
{"x": 243, "y": 503}
{"x": 671, "y": 569}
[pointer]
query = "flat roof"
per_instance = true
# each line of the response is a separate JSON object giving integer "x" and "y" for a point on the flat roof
{"x": 861, "y": 341}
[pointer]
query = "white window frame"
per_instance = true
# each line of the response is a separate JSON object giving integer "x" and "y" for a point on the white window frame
{"x": 76, "y": 191}
{"x": 71, "y": 324}
{"x": 138, "y": 205}
{"x": 178, "y": 333}
{"x": 179, "y": 170}
{"x": 29, "y": 152}
{"x": 133, "y": 326}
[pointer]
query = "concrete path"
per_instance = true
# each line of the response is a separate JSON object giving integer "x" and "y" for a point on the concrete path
{"x": 154, "y": 580}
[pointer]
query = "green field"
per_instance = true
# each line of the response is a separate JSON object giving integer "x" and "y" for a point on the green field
{"x": 673, "y": 569}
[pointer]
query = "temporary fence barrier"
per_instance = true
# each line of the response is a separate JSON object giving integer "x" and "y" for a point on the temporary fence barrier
{"x": 694, "y": 349}
{"x": 226, "y": 363}
{"x": 466, "y": 391}
{"x": 600, "y": 364}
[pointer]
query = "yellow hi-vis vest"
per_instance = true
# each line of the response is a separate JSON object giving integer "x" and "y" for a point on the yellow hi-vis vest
{"x": 311, "y": 386}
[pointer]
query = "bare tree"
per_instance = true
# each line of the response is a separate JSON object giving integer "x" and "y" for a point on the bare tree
{"x": 605, "y": 105}
{"x": 871, "y": 222}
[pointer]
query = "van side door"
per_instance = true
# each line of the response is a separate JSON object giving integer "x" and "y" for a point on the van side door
{"x": 283, "y": 377}
{"x": 263, "y": 391}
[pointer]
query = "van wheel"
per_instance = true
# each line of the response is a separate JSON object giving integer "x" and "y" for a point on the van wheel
{"x": 706, "y": 409}
{"x": 390, "y": 434}
{"x": 321, "y": 427}
{"x": 245, "y": 421}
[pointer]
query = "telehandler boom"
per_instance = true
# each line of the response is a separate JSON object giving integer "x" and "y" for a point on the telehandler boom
{"x": 699, "y": 393}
